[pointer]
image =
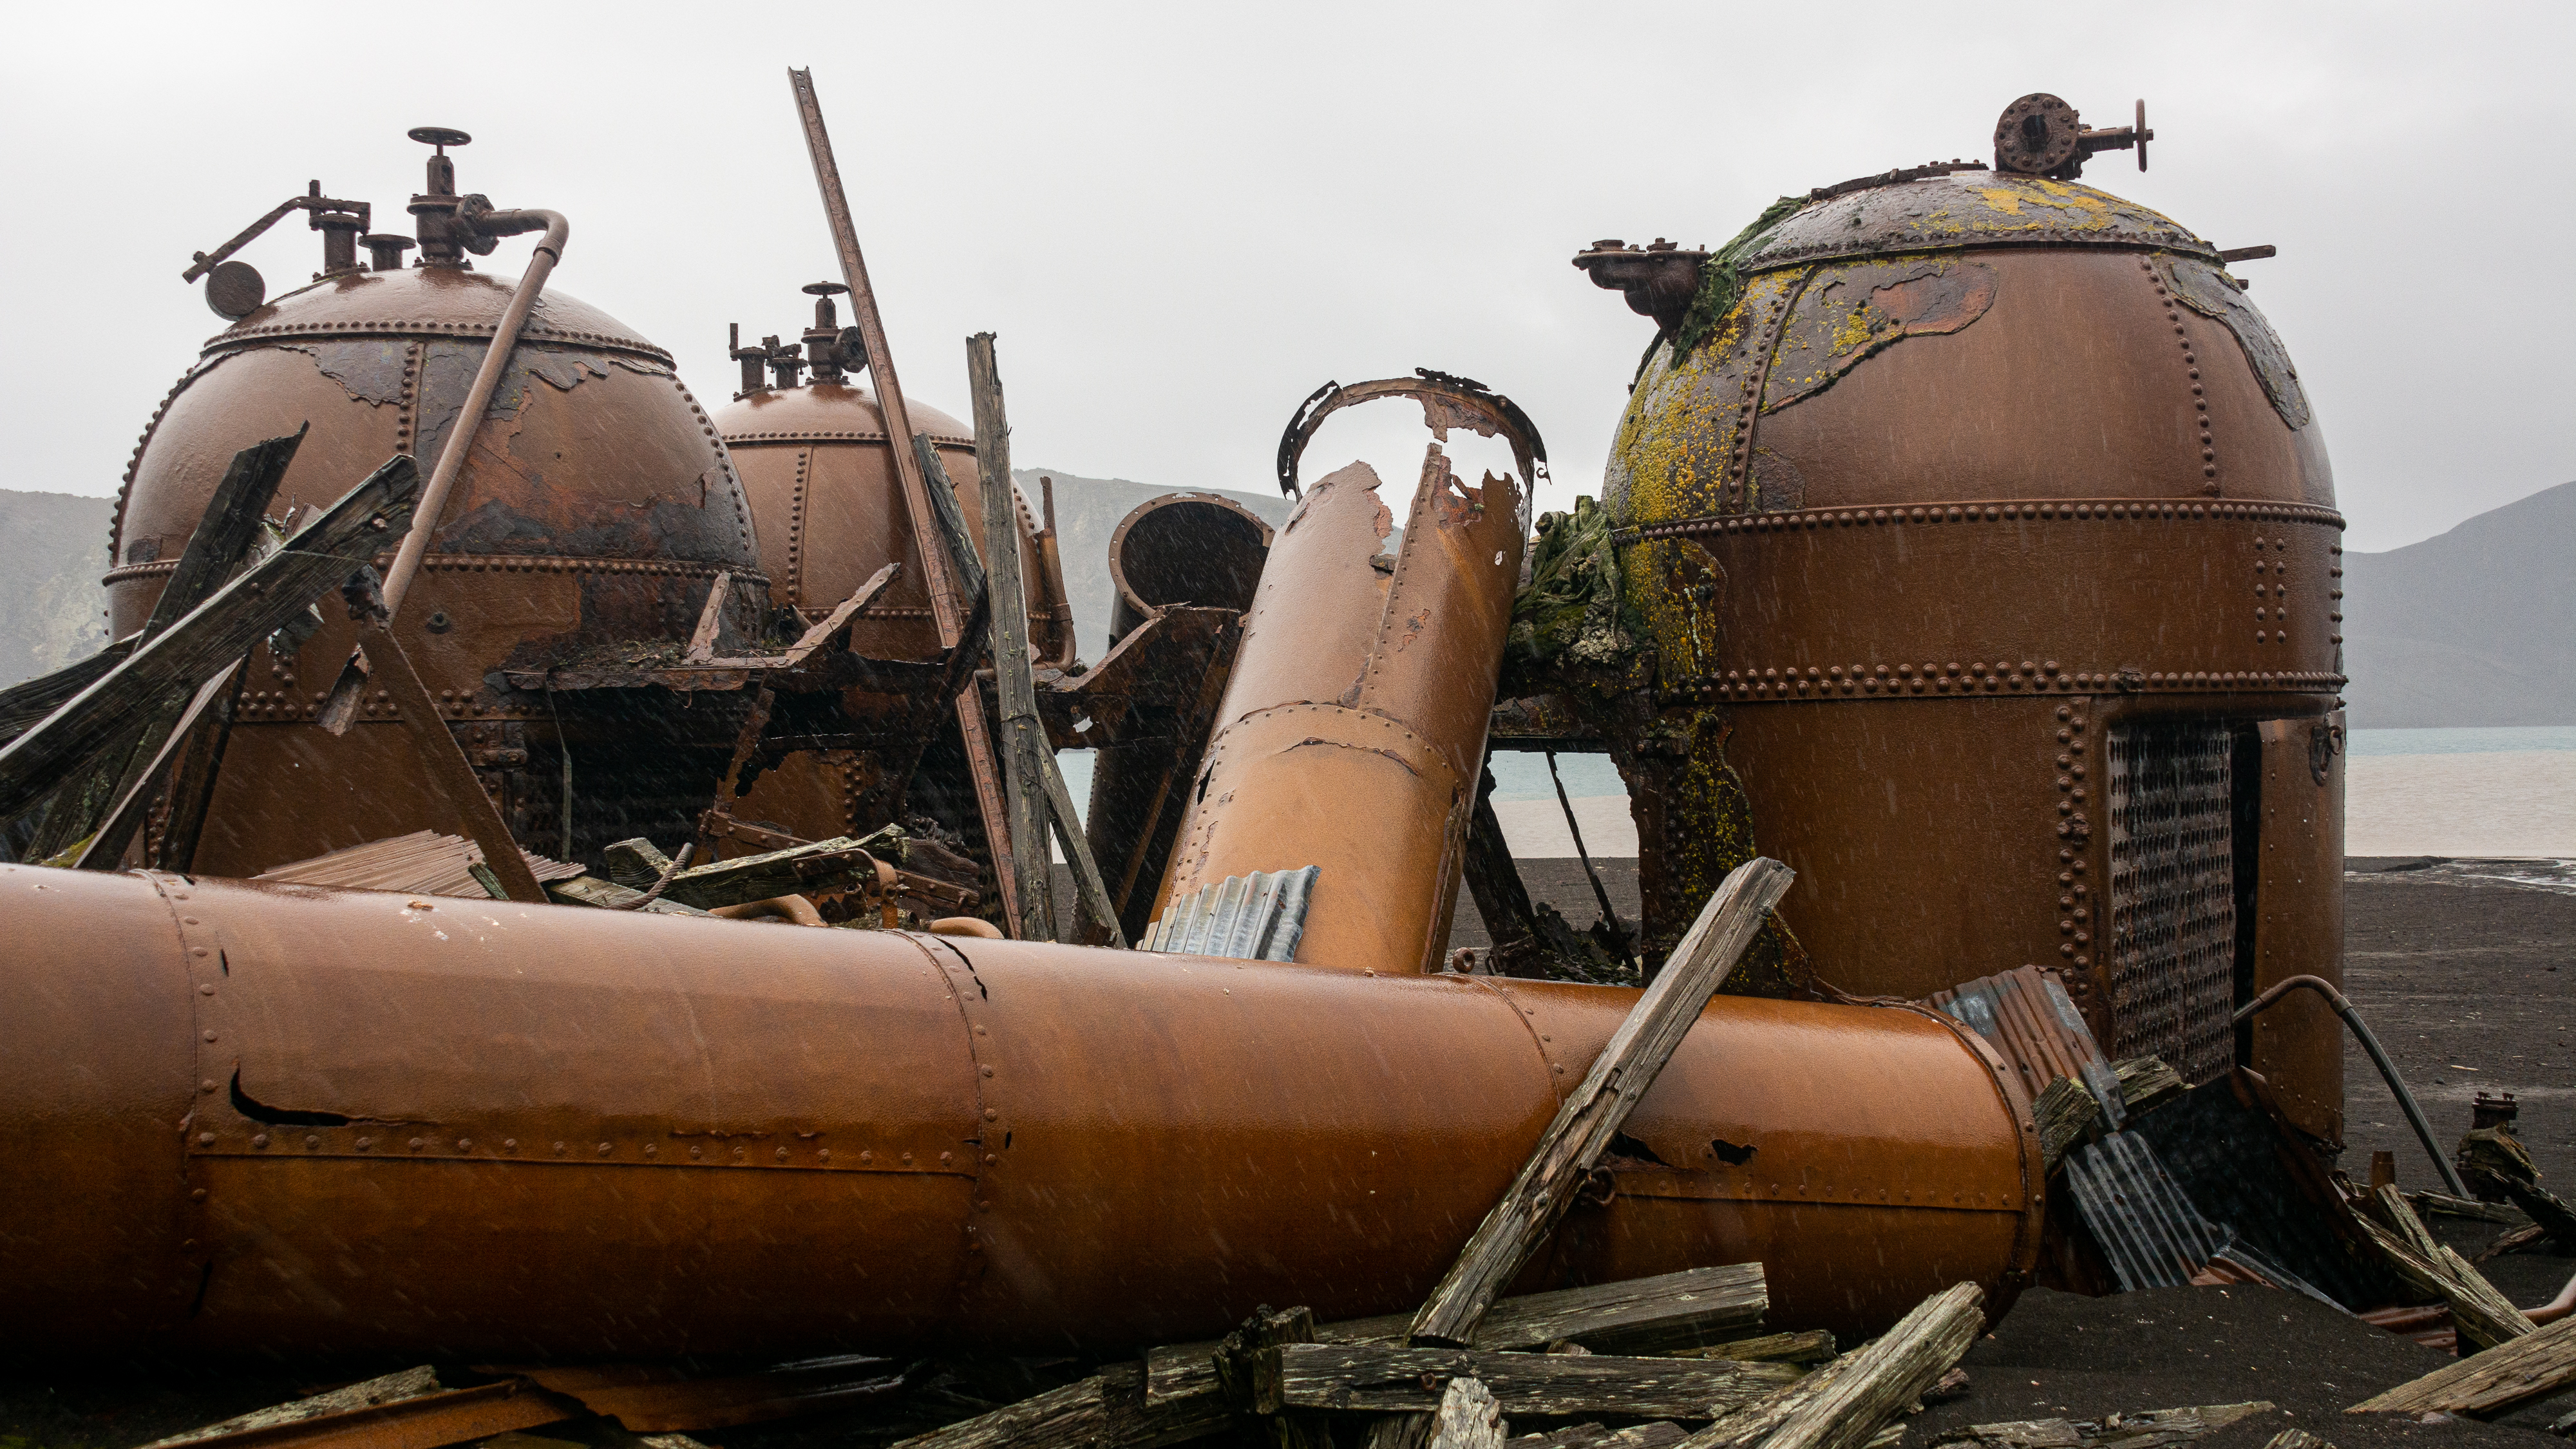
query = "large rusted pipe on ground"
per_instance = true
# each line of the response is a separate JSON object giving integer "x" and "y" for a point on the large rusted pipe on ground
{"x": 271, "y": 1118}
{"x": 1354, "y": 725}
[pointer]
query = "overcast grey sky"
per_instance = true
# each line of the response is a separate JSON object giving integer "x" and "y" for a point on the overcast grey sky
{"x": 1181, "y": 219}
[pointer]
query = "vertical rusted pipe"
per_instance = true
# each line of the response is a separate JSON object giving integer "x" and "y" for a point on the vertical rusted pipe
{"x": 469, "y": 419}
{"x": 1354, "y": 725}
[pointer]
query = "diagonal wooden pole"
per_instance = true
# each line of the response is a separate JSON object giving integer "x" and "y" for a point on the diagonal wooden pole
{"x": 946, "y": 607}
{"x": 1593, "y": 1114}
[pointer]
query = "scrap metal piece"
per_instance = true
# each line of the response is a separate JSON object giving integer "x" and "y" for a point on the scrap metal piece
{"x": 2029, "y": 1017}
{"x": 1259, "y": 917}
{"x": 1363, "y": 677}
{"x": 2151, "y": 1232}
{"x": 1447, "y": 402}
{"x": 424, "y": 862}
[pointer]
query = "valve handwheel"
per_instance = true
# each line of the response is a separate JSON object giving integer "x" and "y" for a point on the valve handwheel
{"x": 440, "y": 136}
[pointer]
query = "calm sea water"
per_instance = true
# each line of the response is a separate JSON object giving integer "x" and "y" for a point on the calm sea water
{"x": 1523, "y": 776}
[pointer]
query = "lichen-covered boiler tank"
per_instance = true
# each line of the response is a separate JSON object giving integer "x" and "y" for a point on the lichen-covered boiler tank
{"x": 1986, "y": 548}
{"x": 593, "y": 511}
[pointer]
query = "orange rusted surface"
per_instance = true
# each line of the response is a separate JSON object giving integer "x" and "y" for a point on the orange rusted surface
{"x": 287, "y": 1119}
{"x": 1353, "y": 727}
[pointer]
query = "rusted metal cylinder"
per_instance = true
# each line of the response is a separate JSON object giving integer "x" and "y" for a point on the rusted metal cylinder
{"x": 1182, "y": 550}
{"x": 1992, "y": 525}
{"x": 1354, "y": 724}
{"x": 285, "y": 1119}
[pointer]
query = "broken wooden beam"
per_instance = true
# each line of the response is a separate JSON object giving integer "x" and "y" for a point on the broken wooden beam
{"x": 2152, "y": 1429}
{"x": 450, "y": 772}
{"x": 409, "y": 1410}
{"x": 1106, "y": 1411}
{"x": 1814, "y": 1345}
{"x": 1844, "y": 1404}
{"x": 211, "y": 637}
{"x": 2483, "y": 1315}
{"x": 2532, "y": 1366}
{"x": 1588, "y": 1119}
{"x": 1022, "y": 736}
{"x": 1383, "y": 1379}
{"x": 1633, "y": 1316}
{"x": 1469, "y": 1417}
{"x": 1237, "y": 1362}
{"x": 1620, "y": 1076}
{"x": 1658, "y": 1434}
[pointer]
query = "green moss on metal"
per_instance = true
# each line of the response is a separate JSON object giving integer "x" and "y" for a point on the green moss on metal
{"x": 1720, "y": 281}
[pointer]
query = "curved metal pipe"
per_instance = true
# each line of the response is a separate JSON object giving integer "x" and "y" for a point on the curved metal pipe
{"x": 487, "y": 378}
{"x": 795, "y": 910}
{"x": 2556, "y": 1308}
{"x": 2370, "y": 1044}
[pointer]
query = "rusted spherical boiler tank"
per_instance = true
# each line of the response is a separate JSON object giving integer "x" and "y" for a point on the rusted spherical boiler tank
{"x": 284, "y": 1119}
{"x": 828, "y": 512}
{"x": 592, "y": 513}
{"x": 1987, "y": 551}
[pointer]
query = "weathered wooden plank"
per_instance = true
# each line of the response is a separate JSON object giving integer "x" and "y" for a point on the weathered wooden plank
{"x": 702, "y": 639}
{"x": 2532, "y": 1366}
{"x": 1594, "y": 1112}
{"x": 2296, "y": 1439}
{"x": 1632, "y": 1316}
{"x": 2065, "y": 1111}
{"x": 338, "y": 542}
{"x": 1022, "y": 736}
{"x": 1843, "y": 1404}
{"x": 1237, "y": 1365}
{"x": 106, "y": 848}
{"x": 1375, "y": 1378}
{"x": 1468, "y": 1418}
{"x": 2152, "y": 1429}
{"x": 1661, "y": 1434}
{"x": 1105, "y": 1411}
{"x": 2485, "y": 1317}
{"x": 1815, "y": 1345}
{"x": 835, "y": 864}
{"x": 1892, "y": 1371}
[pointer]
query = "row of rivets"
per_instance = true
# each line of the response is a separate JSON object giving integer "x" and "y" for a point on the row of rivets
{"x": 2078, "y": 511}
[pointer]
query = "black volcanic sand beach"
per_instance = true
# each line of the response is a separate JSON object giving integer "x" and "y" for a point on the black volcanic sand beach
{"x": 2467, "y": 981}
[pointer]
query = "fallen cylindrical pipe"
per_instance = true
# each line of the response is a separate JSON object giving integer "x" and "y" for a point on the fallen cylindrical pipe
{"x": 2370, "y": 1044}
{"x": 257, "y": 1118}
{"x": 1353, "y": 727}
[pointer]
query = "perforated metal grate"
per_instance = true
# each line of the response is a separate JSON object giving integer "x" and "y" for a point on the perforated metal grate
{"x": 2173, "y": 896}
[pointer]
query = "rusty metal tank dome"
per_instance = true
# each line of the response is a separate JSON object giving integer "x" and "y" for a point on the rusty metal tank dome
{"x": 591, "y": 513}
{"x": 827, "y": 509}
{"x": 1983, "y": 541}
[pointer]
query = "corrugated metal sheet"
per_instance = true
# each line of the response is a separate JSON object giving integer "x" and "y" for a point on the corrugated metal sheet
{"x": 2151, "y": 1229}
{"x": 2236, "y": 1161}
{"x": 1256, "y": 917}
{"x": 421, "y": 863}
{"x": 2171, "y": 927}
{"x": 2152, "y": 1234}
{"x": 2028, "y": 1016}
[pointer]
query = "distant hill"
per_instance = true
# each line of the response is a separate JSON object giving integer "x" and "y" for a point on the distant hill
{"x": 2473, "y": 628}
{"x": 53, "y": 548}
{"x": 1087, "y": 511}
